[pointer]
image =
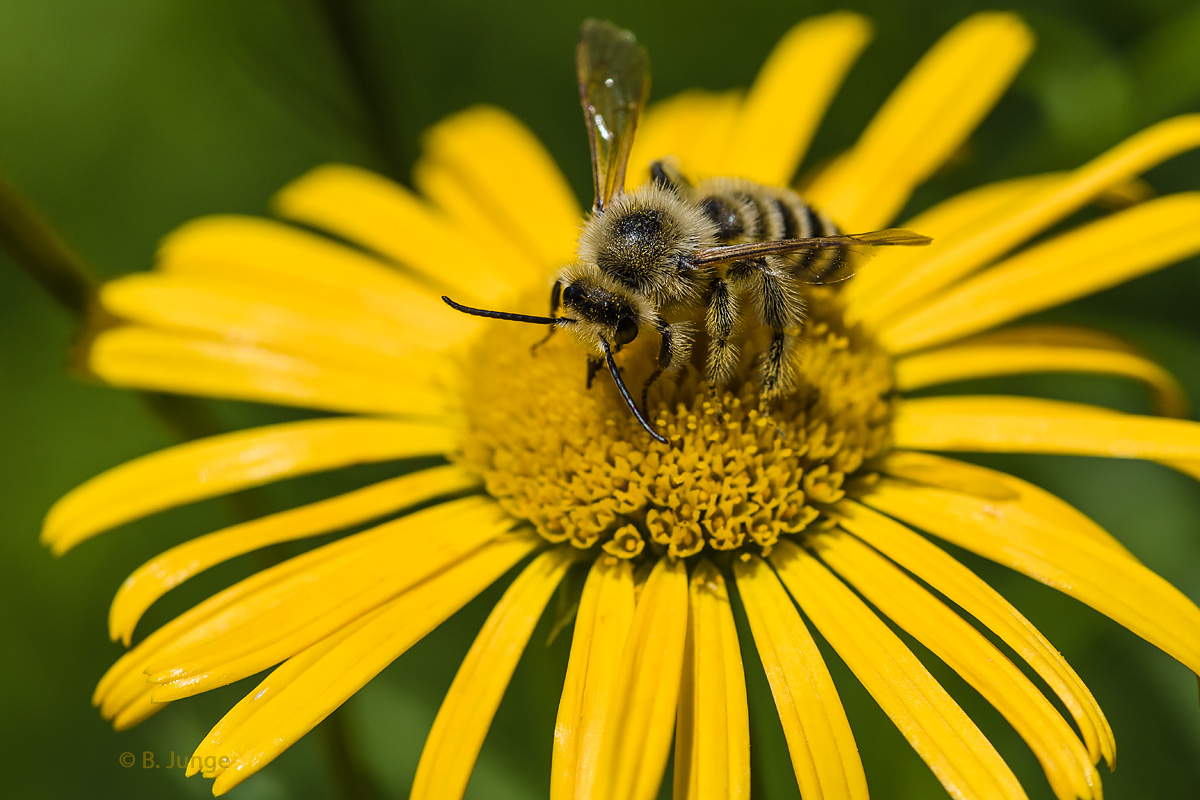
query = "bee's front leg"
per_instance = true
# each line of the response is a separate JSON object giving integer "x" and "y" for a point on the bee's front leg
{"x": 594, "y": 363}
{"x": 673, "y": 352}
{"x": 555, "y": 304}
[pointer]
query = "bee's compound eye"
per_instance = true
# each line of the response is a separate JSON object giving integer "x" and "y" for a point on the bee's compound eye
{"x": 571, "y": 294}
{"x": 627, "y": 330}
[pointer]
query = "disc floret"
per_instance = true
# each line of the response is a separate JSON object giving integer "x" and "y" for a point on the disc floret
{"x": 737, "y": 474}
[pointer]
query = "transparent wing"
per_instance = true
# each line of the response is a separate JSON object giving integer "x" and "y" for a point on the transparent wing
{"x": 837, "y": 262}
{"x": 831, "y": 265}
{"x": 822, "y": 259}
{"x": 614, "y": 81}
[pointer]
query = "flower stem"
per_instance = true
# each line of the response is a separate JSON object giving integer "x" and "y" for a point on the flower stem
{"x": 350, "y": 779}
{"x": 344, "y": 24}
{"x": 37, "y": 248}
{"x": 42, "y": 253}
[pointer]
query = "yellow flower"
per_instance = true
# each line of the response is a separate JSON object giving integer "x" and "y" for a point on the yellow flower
{"x": 806, "y": 505}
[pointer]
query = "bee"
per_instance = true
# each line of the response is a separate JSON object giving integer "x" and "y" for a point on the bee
{"x": 673, "y": 256}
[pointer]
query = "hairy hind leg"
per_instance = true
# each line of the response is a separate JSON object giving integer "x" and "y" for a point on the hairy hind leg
{"x": 775, "y": 368}
{"x": 720, "y": 320}
{"x": 781, "y": 308}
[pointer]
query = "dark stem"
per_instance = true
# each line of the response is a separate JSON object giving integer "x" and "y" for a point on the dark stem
{"x": 344, "y": 24}
{"x": 351, "y": 780}
{"x": 37, "y": 249}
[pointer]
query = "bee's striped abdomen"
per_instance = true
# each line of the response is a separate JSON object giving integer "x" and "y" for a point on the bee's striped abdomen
{"x": 744, "y": 211}
{"x": 815, "y": 264}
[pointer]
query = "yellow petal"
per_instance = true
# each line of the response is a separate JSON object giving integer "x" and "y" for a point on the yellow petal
{"x": 869, "y": 296}
{"x": 963, "y": 587}
{"x": 712, "y": 736}
{"x": 282, "y": 676}
{"x": 1188, "y": 466}
{"x": 347, "y": 667}
{"x": 971, "y": 655}
{"x": 874, "y": 283}
{"x": 1057, "y": 335}
{"x": 309, "y": 326}
{"x": 388, "y": 219}
{"x": 988, "y": 356}
{"x": 462, "y": 722}
{"x": 1107, "y": 580}
{"x": 775, "y": 126}
{"x": 228, "y": 463}
{"x": 951, "y": 257}
{"x": 281, "y": 605}
{"x": 149, "y": 358}
{"x": 601, "y": 627}
{"x": 483, "y": 232}
{"x": 510, "y": 175}
{"x": 125, "y": 681}
{"x": 997, "y": 487}
{"x": 824, "y": 755}
{"x": 942, "y": 734}
{"x": 292, "y": 613}
{"x": 1148, "y": 236}
{"x": 159, "y": 575}
{"x": 641, "y": 715}
{"x": 295, "y": 266}
{"x": 925, "y": 120}
{"x": 692, "y": 126}
{"x": 1028, "y": 425}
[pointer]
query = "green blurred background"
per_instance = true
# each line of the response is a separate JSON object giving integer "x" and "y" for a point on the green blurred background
{"x": 122, "y": 119}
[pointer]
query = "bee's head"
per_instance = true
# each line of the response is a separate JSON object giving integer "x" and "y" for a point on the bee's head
{"x": 599, "y": 311}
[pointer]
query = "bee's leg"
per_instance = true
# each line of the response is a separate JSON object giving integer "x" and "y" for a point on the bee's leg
{"x": 777, "y": 378}
{"x": 533, "y": 348}
{"x": 673, "y": 353}
{"x": 720, "y": 320}
{"x": 594, "y": 363}
{"x": 666, "y": 173}
{"x": 555, "y": 302}
{"x": 781, "y": 308}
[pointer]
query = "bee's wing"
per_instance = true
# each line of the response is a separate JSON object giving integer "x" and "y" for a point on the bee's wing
{"x": 844, "y": 253}
{"x": 833, "y": 264}
{"x": 614, "y": 81}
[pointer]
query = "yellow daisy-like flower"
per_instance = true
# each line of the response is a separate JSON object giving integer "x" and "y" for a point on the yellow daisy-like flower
{"x": 809, "y": 505}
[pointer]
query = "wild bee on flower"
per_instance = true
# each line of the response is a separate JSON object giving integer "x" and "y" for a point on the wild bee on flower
{"x": 738, "y": 541}
{"x": 672, "y": 254}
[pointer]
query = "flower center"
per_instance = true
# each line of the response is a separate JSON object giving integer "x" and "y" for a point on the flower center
{"x": 738, "y": 473}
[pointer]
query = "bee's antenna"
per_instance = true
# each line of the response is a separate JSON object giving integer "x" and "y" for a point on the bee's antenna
{"x": 612, "y": 367}
{"x": 480, "y": 312}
